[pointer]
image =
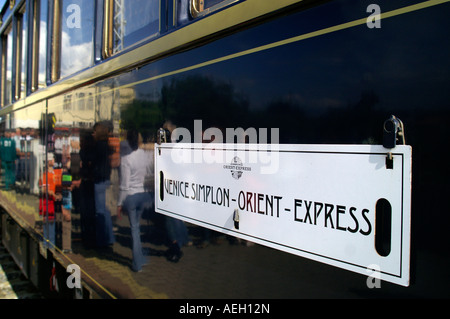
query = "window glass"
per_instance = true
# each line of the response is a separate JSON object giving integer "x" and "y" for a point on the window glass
{"x": 22, "y": 39}
{"x": 77, "y": 34}
{"x": 7, "y": 51}
{"x": 42, "y": 25}
{"x": 134, "y": 20}
{"x": 182, "y": 11}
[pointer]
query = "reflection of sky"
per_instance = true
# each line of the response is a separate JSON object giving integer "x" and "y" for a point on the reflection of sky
{"x": 43, "y": 43}
{"x": 9, "y": 62}
{"x": 147, "y": 24}
{"x": 24, "y": 54}
{"x": 147, "y": 11}
{"x": 77, "y": 43}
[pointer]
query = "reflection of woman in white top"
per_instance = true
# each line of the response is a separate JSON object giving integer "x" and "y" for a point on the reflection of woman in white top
{"x": 133, "y": 197}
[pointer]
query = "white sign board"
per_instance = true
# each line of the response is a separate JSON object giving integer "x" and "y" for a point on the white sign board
{"x": 343, "y": 205}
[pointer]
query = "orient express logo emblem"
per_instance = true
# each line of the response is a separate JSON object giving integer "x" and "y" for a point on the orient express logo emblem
{"x": 237, "y": 168}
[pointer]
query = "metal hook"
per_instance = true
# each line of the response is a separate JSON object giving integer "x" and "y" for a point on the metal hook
{"x": 393, "y": 133}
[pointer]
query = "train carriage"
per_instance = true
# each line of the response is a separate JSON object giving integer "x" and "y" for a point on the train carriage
{"x": 350, "y": 97}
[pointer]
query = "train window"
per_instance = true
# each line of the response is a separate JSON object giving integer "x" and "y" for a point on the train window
{"x": 7, "y": 63}
{"x": 133, "y": 22}
{"x": 39, "y": 45}
{"x": 21, "y": 71}
{"x": 200, "y": 8}
{"x": 77, "y": 35}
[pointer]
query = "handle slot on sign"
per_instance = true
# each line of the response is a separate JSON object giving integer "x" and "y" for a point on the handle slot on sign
{"x": 161, "y": 185}
{"x": 383, "y": 227}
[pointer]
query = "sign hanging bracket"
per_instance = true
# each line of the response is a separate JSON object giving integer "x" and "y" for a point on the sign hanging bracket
{"x": 393, "y": 134}
{"x": 163, "y": 136}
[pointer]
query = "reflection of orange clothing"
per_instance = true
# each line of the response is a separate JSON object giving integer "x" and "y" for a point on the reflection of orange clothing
{"x": 114, "y": 143}
{"x": 51, "y": 181}
{"x": 58, "y": 180}
{"x": 49, "y": 205}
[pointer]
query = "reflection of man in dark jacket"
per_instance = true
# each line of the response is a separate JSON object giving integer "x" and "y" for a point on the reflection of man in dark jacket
{"x": 102, "y": 151}
{"x": 102, "y": 172}
{"x": 83, "y": 198}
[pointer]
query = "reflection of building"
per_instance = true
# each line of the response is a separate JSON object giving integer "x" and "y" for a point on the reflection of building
{"x": 84, "y": 107}
{"x": 127, "y": 95}
{"x": 23, "y": 119}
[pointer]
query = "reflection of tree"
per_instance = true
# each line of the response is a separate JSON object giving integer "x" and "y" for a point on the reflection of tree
{"x": 217, "y": 104}
{"x": 145, "y": 116}
{"x": 288, "y": 117}
{"x": 196, "y": 97}
{"x": 358, "y": 123}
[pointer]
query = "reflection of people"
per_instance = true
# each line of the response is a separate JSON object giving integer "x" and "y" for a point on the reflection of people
{"x": 178, "y": 236}
{"x": 83, "y": 198}
{"x": 176, "y": 229}
{"x": 23, "y": 163}
{"x": 47, "y": 200}
{"x": 133, "y": 197}
{"x": 102, "y": 172}
{"x": 8, "y": 155}
{"x": 66, "y": 181}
